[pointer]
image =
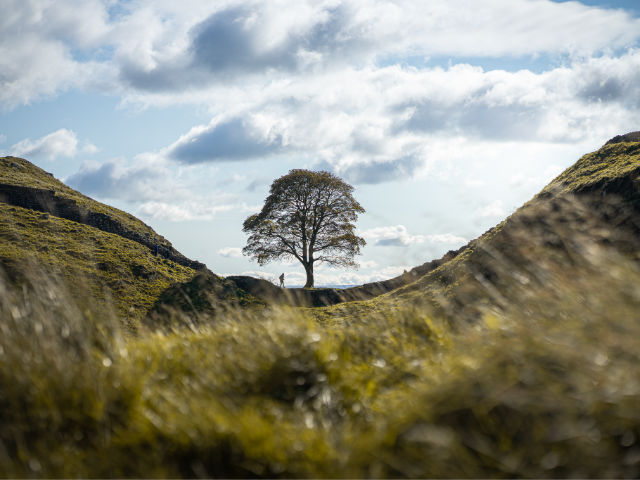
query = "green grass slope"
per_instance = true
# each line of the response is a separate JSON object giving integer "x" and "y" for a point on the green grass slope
{"x": 25, "y": 185}
{"x": 20, "y": 172}
{"x": 517, "y": 358}
{"x": 613, "y": 169}
{"x": 593, "y": 203}
{"x": 99, "y": 268}
{"x": 103, "y": 255}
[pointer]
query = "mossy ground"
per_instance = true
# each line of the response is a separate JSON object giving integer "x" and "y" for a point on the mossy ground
{"x": 611, "y": 162}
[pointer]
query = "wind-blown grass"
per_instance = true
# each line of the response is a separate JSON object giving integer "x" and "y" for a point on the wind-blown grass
{"x": 517, "y": 358}
{"x": 547, "y": 385}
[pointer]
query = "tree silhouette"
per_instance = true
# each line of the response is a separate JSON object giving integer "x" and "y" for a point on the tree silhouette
{"x": 308, "y": 216}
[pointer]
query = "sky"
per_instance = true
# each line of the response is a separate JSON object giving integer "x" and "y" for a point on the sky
{"x": 445, "y": 115}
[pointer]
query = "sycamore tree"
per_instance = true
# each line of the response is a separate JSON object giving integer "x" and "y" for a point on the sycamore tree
{"x": 308, "y": 216}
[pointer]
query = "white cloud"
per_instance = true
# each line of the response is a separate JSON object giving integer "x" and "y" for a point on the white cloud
{"x": 494, "y": 209}
{"x": 61, "y": 143}
{"x": 37, "y": 45}
{"x": 230, "y": 252}
{"x": 3, "y": 138}
{"x": 142, "y": 180}
{"x": 445, "y": 238}
{"x": 368, "y": 264}
{"x": 89, "y": 148}
{"x": 229, "y": 139}
{"x": 343, "y": 121}
{"x": 155, "y": 190}
{"x": 398, "y": 236}
{"x": 163, "y": 48}
{"x": 535, "y": 182}
{"x": 473, "y": 183}
{"x": 336, "y": 80}
{"x": 182, "y": 212}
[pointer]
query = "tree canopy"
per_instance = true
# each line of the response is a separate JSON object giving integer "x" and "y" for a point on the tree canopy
{"x": 308, "y": 216}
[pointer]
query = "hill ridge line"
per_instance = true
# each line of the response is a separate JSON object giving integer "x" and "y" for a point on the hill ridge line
{"x": 46, "y": 201}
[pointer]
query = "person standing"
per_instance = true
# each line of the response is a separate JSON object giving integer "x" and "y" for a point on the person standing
{"x": 281, "y": 277}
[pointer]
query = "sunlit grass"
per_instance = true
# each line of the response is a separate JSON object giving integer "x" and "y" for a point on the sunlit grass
{"x": 545, "y": 386}
{"x": 20, "y": 172}
{"x": 517, "y": 358}
{"x": 96, "y": 266}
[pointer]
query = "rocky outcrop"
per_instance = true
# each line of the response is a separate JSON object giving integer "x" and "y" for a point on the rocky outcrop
{"x": 197, "y": 301}
{"x": 47, "y": 201}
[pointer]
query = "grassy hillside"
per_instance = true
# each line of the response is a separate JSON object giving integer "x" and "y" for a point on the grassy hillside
{"x": 101, "y": 269}
{"x": 517, "y": 358}
{"x": 25, "y": 185}
{"x": 615, "y": 168}
{"x": 20, "y": 172}
{"x": 594, "y": 203}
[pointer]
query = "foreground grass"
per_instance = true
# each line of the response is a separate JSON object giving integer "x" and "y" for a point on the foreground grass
{"x": 518, "y": 358}
{"x": 547, "y": 386}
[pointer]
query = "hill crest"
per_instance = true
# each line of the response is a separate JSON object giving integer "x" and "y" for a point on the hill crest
{"x": 25, "y": 185}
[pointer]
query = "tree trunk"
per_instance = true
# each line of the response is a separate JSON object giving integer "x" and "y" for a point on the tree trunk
{"x": 309, "y": 270}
